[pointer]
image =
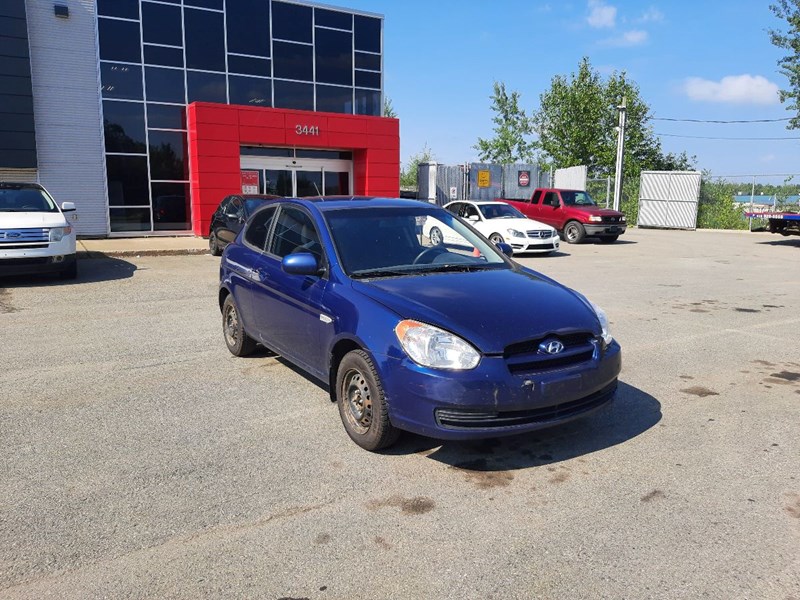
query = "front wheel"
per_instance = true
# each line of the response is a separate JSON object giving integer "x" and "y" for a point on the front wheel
{"x": 362, "y": 403}
{"x": 608, "y": 239}
{"x": 237, "y": 341}
{"x": 213, "y": 245}
{"x": 436, "y": 236}
{"x": 496, "y": 238}
{"x": 574, "y": 232}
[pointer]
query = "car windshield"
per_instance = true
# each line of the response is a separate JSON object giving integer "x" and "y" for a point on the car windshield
{"x": 25, "y": 199}
{"x": 500, "y": 211}
{"x": 386, "y": 242}
{"x": 572, "y": 198}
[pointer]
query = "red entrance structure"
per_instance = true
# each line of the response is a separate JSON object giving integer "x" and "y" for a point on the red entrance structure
{"x": 216, "y": 133}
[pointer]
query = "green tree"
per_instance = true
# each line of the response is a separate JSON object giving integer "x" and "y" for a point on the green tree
{"x": 789, "y": 11}
{"x": 512, "y": 131}
{"x": 577, "y": 125}
{"x": 388, "y": 109}
{"x": 408, "y": 176}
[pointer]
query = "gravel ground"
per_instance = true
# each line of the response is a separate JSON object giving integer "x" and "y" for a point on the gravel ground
{"x": 140, "y": 459}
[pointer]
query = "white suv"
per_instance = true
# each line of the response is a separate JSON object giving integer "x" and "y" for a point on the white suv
{"x": 35, "y": 235}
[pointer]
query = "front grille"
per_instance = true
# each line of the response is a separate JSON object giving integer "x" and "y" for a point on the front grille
{"x": 545, "y": 234}
{"x": 611, "y": 219}
{"x": 454, "y": 418}
{"x": 24, "y": 238}
{"x": 526, "y": 357}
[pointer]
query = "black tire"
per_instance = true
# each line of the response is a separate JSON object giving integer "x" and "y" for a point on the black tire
{"x": 436, "y": 236}
{"x": 574, "y": 232}
{"x": 608, "y": 239}
{"x": 70, "y": 271}
{"x": 496, "y": 238}
{"x": 236, "y": 339}
{"x": 213, "y": 245}
{"x": 362, "y": 403}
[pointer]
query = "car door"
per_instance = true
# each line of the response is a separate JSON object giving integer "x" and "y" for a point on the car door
{"x": 289, "y": 309}
{"x": 232, "y": 220}
{"x": 549, "y": 210}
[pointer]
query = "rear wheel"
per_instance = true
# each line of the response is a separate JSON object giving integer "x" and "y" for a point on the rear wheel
{"x": 362, "y": 403}
{"x": 574, "y": 232}
{"x": 213, "y": 245}
{"x": 608, "y": 239}
{"x": 238, "y": 342}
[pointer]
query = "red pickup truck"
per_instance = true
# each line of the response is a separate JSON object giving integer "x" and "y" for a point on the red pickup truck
{"x": 573, "y": 213}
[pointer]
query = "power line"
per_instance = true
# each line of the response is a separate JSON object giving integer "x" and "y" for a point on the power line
{"x": 719, "y": 121}
{"x": 702, "y": 137}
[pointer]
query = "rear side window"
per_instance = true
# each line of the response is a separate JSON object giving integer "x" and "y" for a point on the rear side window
{"x": 25, "y": 200}
{"x": 551, "y": 199}
{"x": 258, "y": 229}
{"x": 537, "y": 195}
{"x": 295, "y": 232}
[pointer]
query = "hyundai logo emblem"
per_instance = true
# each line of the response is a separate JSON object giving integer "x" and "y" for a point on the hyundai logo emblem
{"x": 551, "y": 347}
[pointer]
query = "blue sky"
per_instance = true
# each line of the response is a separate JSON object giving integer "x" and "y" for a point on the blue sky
{"x": 706, "y": 59}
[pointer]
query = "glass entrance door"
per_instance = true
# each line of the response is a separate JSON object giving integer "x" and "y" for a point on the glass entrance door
{"x": 302, "y": 177}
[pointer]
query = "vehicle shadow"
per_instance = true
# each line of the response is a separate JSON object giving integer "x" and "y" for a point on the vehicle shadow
{"x": 785, "y": 242}
{"x": 89, "y": 271}
{"x": 632, "y": 413}
{"x": 596, "y": 241}
{"x": 541, "y": 256}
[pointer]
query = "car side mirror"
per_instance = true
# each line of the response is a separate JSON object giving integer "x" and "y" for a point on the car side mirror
{"x": 301, "y": 263}
{"x": 505, "y": 249}
{"x": 67, "y": 206}
{"x": 473, "y": 218}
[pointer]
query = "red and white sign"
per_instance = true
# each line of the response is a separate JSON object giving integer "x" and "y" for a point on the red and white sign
{"x": 250, "y": 182}
{"x": 524, "y": 178}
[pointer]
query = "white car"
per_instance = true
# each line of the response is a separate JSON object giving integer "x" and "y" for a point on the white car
{"x": 499, "y": 222}
{"x": 35, "y": 235}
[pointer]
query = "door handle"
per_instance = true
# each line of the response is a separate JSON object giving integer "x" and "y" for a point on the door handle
{"x": 262, "y": 274}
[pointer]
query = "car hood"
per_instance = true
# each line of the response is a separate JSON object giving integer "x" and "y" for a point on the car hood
{"x": 22, "y": 220}
{"x": 518, "y": 224}
{"x": 595, "y": 210}
{"x": 491, "y": 309}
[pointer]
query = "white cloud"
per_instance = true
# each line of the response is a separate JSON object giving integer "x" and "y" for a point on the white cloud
{"x": 733, "y": 89}
{"x": 635, "y": 37}
{"x": 601, "y": 14}
{"x": 768, "y": 158}
{"x": 651, "y": 15}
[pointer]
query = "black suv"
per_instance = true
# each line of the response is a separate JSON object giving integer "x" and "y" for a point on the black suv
{"x": 230, "y": 217}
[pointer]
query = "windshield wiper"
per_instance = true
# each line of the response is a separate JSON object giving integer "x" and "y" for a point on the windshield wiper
{"x": 456, "y": 267}
{"x": 367, "y": 273}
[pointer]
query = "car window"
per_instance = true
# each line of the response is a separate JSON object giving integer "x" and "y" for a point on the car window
{"x": 295, "y": 232}
{"x": 573, "y": 198}
{"x": 537, "y": 195}
{"x": 500, "y": 211}
{"x": 22, "y": 199}
{"x": 551, "y": 199}
{"x": 455, "y": 208}
{"x": 470, "y": 211}
{"x": 258, "y": 228}
{"x": 236, "y": 207}
{"x": 223, "y": 206}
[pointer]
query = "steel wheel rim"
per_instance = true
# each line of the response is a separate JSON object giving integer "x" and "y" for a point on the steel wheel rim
{"x": 231, "y": 326}
{"x": 572, "y": 232}
{"x": 436, "y": 236}
{"x": 357, "y": 400}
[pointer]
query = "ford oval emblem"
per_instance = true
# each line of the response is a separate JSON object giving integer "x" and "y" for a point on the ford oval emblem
{"x": 13, "y": 234}
{"x": 551, "y": 347}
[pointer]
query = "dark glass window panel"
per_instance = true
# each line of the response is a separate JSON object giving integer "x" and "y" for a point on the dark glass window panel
{"x": 127, "y": 181}
{"x": 337, "y": 183}
{"x": 333, "y": 18}
{"x": 292, "y": 61}
{"x": 123, "y": 126}
{"x": 277, "y": 182}
{"x": 368, "y": 79}
{"x": 334, "y": 56}
{"x": 163, "y": 116}
{"x": 259, "y": 151}
{"x": 171, "y": 210}
{"x": 250, "y": 91}
{"x": 158, "y": 55}
{"x": 331, "y": 154}
{"x": 291, "y": 22}
{"x": 161, "y": 24}
{"x": 126, "y": 9}
{"x": 334, "y": 99}
{"x": 121, "y": 81}
{"x": 119, "y": 40}
{"x": 130, "y": 219}
{"x": 215, "y": 4}
{"x": 205, "y": 40}
{"x": 249, "y": 66}
{"x": 258, "y": 229}
{"x": 289, "y": 94}
{"x": 206, "y": 87}
{"x": 167, "y": 155}
{"x": 164, "y": 85}
{"x": 248, "y": 27}
{"x": 368, "y": 102}
{"x": 368, "y": 33}
{"x": 368, "y": 61}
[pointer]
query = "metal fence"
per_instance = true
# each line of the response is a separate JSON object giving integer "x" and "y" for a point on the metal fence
{"x": 478, "y": 181}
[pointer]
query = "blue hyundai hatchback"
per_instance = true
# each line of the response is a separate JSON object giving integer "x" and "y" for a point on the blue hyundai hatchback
{"x": 451, "y": 341}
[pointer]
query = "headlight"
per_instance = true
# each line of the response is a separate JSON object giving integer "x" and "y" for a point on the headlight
{"x": 515, "y": 233}
{"x": 603, "y": 318}
{"x": 623, "y": 219}
{"x": 595, "y": 218}
{"x": 430, "y": 346}
{"x": 58, "y": 233}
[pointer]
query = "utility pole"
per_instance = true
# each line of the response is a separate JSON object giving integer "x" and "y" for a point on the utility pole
{"x": 620, "y": 153}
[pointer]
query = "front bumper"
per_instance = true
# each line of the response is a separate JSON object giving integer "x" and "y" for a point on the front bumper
{"x": 605, "y": 228}
{"x": 520, "y": 245}
{"x": 490, "y": 401}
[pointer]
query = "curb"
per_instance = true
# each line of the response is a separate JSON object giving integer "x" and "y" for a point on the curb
{"x": 90, "y": 254}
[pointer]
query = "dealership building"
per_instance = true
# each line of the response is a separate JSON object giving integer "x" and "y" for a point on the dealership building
{"x": 146, "y": 113}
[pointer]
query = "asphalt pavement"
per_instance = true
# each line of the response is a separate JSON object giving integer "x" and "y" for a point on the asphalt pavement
{"x": 140, "y": 459}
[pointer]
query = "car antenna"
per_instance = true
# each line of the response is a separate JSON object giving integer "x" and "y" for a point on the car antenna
{"x": 317, "y": 188}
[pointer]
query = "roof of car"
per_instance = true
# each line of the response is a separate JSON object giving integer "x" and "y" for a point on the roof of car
{"x": 481, "y": 202}
{"x": 336, "y": 202}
